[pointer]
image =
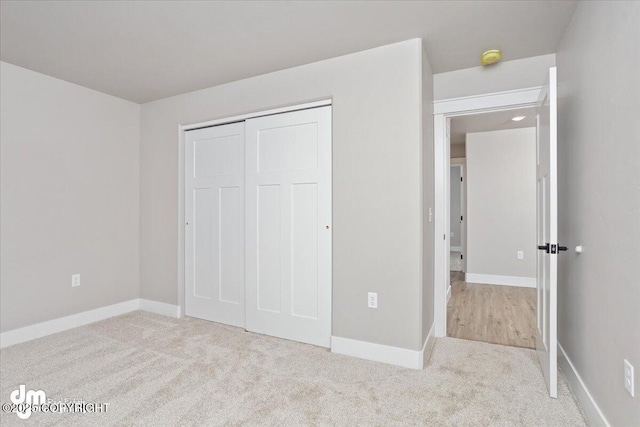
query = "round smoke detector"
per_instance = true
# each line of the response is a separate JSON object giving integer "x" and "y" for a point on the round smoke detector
{"x": 491, "y": 57}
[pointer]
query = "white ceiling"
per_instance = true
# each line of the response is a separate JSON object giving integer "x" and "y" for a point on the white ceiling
{"x": 147, "y": 50}
{"x": 499, "y": 120}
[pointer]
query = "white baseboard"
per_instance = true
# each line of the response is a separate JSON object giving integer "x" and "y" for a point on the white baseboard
{"x": 491, "y": 279}
{"x": 61, "y": 324}
{"x": 448, "y": 293}
{"x": 49, "y": 327}
{"x": 161, "y": 308}
{"x": 455, "y": 248}
{"x": 427, "y": 348}
{"x": 580, "y": 390}
{"x": 413, "y": 359}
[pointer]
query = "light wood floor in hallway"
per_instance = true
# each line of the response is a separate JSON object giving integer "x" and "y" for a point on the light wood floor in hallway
{"x": 491, "y": 313}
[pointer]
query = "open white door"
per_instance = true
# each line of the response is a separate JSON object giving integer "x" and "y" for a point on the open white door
{"x": 214, "y": 229}
{"x": 288, "y": 228}
{"x": 547, "y": 233}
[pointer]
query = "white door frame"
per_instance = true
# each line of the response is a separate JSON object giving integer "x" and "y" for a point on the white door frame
{"x": 182, "y": 129}
{"x": 458, "y": 163}
{"x": 461, "y": 162}
{"x": 443, "y": 111}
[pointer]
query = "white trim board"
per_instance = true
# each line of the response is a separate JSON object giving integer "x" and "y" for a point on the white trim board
{"x": 491, "y": 279}
{"x": 448, "y": 294}
{"x": 161, "y": 308}
{"x": 413, "y": 359}
{"x": 255, "y": 114}
{"x": 580, "y": 390}
{"x": 61, "y": 324}
{"x": 488, "y": 101}
{"x": 429, "y": 343}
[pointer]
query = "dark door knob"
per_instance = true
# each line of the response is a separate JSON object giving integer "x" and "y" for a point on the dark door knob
{"x": 544, "y": 248}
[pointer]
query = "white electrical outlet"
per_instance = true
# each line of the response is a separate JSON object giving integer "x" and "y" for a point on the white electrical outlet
{"x": 75, "y": 280}
{"x": 628, "y": 378}
{"x": 520, "y": 255}
{"x": 372, "y": 300}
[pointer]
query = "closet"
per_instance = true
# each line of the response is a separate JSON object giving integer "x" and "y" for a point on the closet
{"x": 258, "y": 224}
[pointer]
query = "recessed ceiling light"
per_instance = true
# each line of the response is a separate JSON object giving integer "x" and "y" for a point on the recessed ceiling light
{"x": 490, "y": 57}
{"x": 518, "y": 118}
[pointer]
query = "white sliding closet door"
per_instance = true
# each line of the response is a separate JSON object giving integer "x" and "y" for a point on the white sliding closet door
{"x": 288, "y": 225}
{"x": 214, "y": 233}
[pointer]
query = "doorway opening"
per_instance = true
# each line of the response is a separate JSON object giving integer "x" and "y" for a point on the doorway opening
{"x": 546, "y": 248}
{"x": 492, "y": 227}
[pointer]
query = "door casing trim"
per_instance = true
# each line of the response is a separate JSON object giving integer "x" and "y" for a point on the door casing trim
{"x": 443, "y": 111}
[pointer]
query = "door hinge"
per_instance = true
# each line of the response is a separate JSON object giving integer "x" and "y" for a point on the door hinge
{"x": 461, "y": 256}
{"x": 461, "y": 218}
{"x": 460, "y": 179}
{"x": 444, "y": 236}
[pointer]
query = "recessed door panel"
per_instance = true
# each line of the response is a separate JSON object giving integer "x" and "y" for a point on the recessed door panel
{"x": 203, "y": 243}
{"x": 288, "y": 147}
{"x": 231, "y": 245}
{"x": 269, "y": 248}
{"x": 222, "y": 155}
{"x": 304, "y": 250}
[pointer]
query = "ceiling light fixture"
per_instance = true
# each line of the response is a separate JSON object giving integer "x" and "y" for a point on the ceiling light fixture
{"x": 490, "y": 57}
{"x": 518, "y": 118}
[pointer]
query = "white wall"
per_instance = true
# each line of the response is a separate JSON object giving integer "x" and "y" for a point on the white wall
{"x": 457, "y": 151}
{"x": 69, "y": 198}
{"x": 501, "y": 202}
{"x": 503, "y": 76}
{"x": 377, "y": 182}
{"x": 599, "y": 203}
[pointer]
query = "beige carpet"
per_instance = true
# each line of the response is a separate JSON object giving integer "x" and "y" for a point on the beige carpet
{"x": 156, "y": 371}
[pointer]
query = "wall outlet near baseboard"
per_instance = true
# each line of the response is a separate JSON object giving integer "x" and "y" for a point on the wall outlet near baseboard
{"x": 628, "y": 378}
{"x": 75, "y": 280}
{"x": 520, "y": 254}
{"x": 372, "y": 300}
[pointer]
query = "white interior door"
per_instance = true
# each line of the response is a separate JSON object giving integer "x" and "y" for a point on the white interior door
{"x": 455, "y": 211}
{"x": 447, "y": 215}
{"x": 214, "y": 229}
{"x": 288, "y": 228}
{"x": 463, "y": 221}
{"x": 547, "y": 233}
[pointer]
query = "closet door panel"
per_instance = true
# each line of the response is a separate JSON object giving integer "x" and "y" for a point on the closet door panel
{"x": 214, "y": 228}
{"x": 288, "y": 225}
